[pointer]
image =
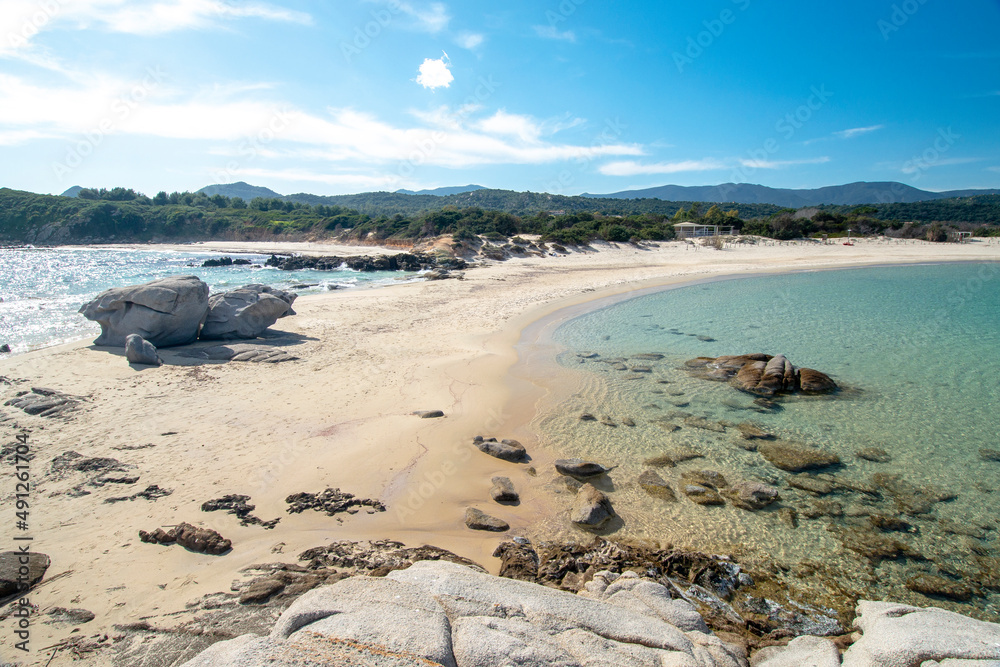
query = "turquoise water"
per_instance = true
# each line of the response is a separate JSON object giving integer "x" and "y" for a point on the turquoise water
{"x": 915, "y": 350}
{"x": 42, "y": 289}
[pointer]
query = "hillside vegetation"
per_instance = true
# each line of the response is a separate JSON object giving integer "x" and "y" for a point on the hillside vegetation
{"x": 123, "y": 215}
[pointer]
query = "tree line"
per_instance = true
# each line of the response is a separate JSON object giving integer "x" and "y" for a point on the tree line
{"x": 124, "y": 215}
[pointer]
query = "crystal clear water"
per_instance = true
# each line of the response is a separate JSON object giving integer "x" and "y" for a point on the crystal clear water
{"x": 916, "y": 350}
{"x": 42, "y": 289}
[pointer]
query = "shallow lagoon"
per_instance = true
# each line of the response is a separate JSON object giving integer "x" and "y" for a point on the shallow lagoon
{"x": 915, "y": 350}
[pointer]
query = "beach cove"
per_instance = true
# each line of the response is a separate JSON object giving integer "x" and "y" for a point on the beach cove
{"x": 339, "y": 416}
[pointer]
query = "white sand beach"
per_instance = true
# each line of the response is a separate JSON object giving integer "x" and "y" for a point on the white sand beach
{"x": 340, "y": 416}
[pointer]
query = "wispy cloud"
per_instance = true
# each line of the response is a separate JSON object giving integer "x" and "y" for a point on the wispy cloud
{"x": 432, "y": 18}
{"x": 469, "y": 40}
{"x": 858, "y": 131}
{"x": 632, "y": 168}
{"x": 342, "y": 137}
{"x": 781, "y": 164}
{"x": 993, "y": 169}
{"x": 551, "y": 32}
{"x": 917, "y": 166}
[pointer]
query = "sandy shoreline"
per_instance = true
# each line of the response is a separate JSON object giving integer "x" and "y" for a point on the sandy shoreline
{"x": 340, "y": 417}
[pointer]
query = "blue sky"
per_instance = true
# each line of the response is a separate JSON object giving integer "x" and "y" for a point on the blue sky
{"x": 566, "y": 96}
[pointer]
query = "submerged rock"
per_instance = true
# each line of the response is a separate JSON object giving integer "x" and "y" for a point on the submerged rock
{"x": 796, "y": 459}
{"x": 751, "y": 496}
{"x": 591, "y": 508}
{"x": 753, "y": 432}
{"x": 672, "y": 457}
{"x": 711, "y": 478}
{"x": 911, "y": 499}
{"x": 874, "y": 454}
{"x": 990, "y": 454}
{"x": 579, "y": 468}
{"x": 807, "y": 482}
{"x": 813, "y": 382}
{"x": 928, "y": 584}
{"x": 702, "y": 495}
{"x": 656, "y": 486}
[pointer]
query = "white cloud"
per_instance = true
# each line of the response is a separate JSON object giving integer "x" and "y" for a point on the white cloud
{"x": 632, "y": 168}
{"x": 137, "y": 16}
{"x": 435, "y": 73}
{"x": 858, "y": 131}
{"x": 470, "y": 40}
{"x": 503, "y": 123}
{"x": 15, "y": 137}
{"x": 231, "y": 126}
{"x": 779, "y": 164}
{"x": 551, "y": 32}
{"x": 169, "y": 15}
{"x": 432, "y": 18}
{"x": 996, "y": 169}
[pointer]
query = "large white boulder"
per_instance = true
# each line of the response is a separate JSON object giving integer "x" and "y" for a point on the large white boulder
{"x": 165, "y": 312}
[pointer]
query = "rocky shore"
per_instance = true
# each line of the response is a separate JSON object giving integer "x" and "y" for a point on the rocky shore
{"x": 377, "y": 403}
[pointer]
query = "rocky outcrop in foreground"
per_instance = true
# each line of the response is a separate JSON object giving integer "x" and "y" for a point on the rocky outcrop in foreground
{"x": 445, "y": 614}
{"x": 763, "y": 374}
{"x": 440, "y": 613}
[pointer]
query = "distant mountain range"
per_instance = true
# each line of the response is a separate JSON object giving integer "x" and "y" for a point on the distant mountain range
{"x": 443, "y": 192}
{"x": 852, "y": 194}
{"x": 244, "y": 191}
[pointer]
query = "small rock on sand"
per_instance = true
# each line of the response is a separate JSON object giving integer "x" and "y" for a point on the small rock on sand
{"x": 505, "y": 450}
{"x": 503, "y": 490}
{"x": 479, "y": 520}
